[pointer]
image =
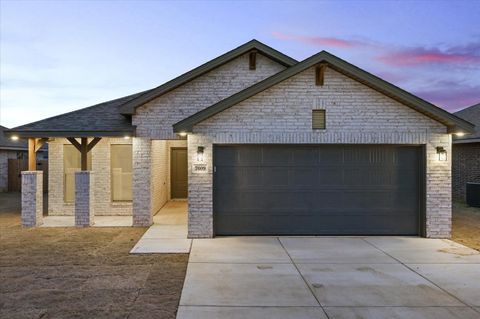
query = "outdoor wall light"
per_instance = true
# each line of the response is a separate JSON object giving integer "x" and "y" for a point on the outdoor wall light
{"x": 200, "y": 150}
{"x": 14, "y": 138}
{"x": 442, "y": 153}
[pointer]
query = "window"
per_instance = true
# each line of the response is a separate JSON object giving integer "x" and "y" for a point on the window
{"x": 318, "y": 119}
{"x": 121, "y": 172}
{"x": 72, "y": 164}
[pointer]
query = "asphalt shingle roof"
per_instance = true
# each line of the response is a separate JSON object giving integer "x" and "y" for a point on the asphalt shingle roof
{"x": 102, "y": 119}
{"x": 472, "y": 115}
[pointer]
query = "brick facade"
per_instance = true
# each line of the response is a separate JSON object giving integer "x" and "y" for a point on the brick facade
{"x": 355, "y": 114}
{"x": 465, "y": 168}
{"x": 84, "y": 198}
{"x": 32, "y": 198}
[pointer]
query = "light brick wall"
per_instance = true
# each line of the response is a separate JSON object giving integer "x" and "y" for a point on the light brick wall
{"x": 155, "y": 119}
{"x": 32, "y": 198}
{"x": 101, "y": 168}
{"x": 355, "y": 114}
{"x": 84, "y": 198}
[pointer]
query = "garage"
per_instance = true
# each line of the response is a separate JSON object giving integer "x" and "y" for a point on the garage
{"x": 318, "y": 189}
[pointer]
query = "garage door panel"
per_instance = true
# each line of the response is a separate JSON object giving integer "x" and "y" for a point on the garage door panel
{"x": 317, "y": 190}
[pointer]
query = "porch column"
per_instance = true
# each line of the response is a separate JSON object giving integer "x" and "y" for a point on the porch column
{"x": 32, "y": 187}
{"x": 142, "y": 159}
{"x": 84, "y": 198}
{"x": 32, "y": 198}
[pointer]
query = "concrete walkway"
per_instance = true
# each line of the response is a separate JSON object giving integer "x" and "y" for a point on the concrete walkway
{"x": 169, "y": 232}
{"x": 330, "y": 277}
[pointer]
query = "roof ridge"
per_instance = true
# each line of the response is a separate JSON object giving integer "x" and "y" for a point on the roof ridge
{"x": 129, "y": 107}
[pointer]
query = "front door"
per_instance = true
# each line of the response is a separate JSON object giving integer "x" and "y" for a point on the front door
{"x": 179, "y": 173}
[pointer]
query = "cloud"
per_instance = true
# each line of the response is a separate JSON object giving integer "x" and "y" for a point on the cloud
{"x": 468, "y": 54}
{"x": 450, "y": 95}
{"x": 316, "y": 40}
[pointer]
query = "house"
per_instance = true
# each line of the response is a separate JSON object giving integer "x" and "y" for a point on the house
{"x": 260, "y": 144}
{"x": 13, "y": 152}
{"x": 466, "y": 154}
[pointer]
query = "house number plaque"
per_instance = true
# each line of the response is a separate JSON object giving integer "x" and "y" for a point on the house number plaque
{"x": 199, "y": 168}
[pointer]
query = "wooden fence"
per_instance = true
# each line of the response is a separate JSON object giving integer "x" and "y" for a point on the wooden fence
{"x": 15, "y": 168}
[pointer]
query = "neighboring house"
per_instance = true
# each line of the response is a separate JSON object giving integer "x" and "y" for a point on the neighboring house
{"x": 262, "y": 144}
{"x": 17, "y": 152}
{"x": 466, "y": 154}
{"x": 9, "y": 149}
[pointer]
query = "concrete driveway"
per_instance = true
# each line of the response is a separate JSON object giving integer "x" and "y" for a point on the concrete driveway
{"x": 330, "y": 277}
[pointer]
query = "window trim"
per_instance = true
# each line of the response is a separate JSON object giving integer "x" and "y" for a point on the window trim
{"x": 324, "y": 112}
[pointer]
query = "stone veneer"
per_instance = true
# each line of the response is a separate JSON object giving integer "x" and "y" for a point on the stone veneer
{"x": 100, "y": 166}
{"x": 84, "y": 198}
{"x": 32, "y": 198}
{"x": 355, "y": 114}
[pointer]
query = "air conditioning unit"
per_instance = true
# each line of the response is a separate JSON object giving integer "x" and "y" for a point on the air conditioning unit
{"x": 473, "y": 194}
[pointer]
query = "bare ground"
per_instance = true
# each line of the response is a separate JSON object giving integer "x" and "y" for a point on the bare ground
{"x": 466, "y": 225}
{"x": 82, "y": 273}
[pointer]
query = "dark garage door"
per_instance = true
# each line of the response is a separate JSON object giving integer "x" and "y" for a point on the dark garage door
{"x": 317, "y": 190}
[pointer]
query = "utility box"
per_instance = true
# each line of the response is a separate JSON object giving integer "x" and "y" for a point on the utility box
{"x": 473, "y": 194}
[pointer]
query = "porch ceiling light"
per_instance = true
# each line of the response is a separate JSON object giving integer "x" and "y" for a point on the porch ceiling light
{"x": 459, "y": 134}
{"x": 182, "y": 134}
{"x": 127, "y": 137}
{"x": 442, "y": 153}
{"x": 14, "y": 137}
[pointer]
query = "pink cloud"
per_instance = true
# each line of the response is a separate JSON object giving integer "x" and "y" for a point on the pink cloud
{"x": 326, "y": 41}
{"x": 416, "y": 56}
{"x": 451, "y": 95}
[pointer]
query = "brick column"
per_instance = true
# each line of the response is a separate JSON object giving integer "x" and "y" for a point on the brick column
{"x": 84, "y": 199}
{"x": 142, "y": 163}
{"x": 32, "y": 198}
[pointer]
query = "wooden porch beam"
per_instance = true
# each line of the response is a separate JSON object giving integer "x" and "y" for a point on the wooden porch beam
{"x": 39, "y": 142}
{"x": 93, "y": 143}
{"x": 74, "y": 143}
{"x": 32, "y": 155}
{"x": 320, "y": 74}
{"x": 83, "y": 153}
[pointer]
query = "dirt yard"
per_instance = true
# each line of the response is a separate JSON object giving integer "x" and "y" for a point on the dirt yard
{"x": 82, "y": 273}
{"x": 466, "y": 225}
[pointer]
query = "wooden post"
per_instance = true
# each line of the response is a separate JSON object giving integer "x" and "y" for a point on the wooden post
{"x": 32, "y": 155}
{"x": 83, "y": 153}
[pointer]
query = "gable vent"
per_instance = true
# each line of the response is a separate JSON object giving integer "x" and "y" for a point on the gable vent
{"x": 318, "y": 119}
{"x": 252, "y": 60}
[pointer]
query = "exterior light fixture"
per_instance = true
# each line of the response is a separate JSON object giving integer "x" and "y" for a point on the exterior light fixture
{"x": 14, "y": 138}
{"x": 442, "y": 153}
{"x": 459, "y": 134}
{"x": 182, "y": 134}
{"x": 200, "y": 150}
{"x": 127, "y": 137}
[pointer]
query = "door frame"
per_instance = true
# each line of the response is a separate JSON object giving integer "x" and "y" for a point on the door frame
{"x": 171, "y": 170}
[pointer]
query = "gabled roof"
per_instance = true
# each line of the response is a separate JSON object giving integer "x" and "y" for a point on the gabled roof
{"x": 102, "y": 119}
{"x": 8, "y": 144}
{"x": 471, "y": 114}
{"x": 453, "y": 122}
{"x": 129, "y": 107}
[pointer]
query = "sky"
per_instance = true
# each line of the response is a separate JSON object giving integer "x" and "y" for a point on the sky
{"x": 58, "y": 56}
